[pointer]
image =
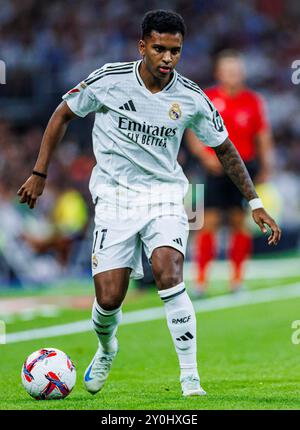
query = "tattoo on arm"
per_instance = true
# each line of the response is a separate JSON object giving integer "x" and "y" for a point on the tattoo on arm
{"x": 235, "y": 168}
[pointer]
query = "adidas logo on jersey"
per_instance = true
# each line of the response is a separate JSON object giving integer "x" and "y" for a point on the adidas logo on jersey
{"x": 179, "y": 241}
{"x": 128, "y": 106}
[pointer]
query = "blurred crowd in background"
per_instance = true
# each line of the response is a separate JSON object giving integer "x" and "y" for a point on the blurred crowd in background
{"x": 48, "y": 47}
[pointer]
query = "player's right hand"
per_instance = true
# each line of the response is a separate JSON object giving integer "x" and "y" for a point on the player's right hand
{"x": 31, "y": 190}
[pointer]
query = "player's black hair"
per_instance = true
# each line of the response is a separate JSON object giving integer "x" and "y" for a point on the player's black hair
{"x": 162, "y": 21}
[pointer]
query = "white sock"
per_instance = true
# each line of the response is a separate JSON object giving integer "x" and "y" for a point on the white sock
{"x": 181, "y": 321}
{"x": 105, "y": 324}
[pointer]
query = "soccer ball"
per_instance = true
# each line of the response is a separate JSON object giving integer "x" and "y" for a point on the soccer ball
{"x": 48, "y": 374}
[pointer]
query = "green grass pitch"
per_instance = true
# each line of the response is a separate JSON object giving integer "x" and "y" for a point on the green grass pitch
{"x": 245, "y": 354}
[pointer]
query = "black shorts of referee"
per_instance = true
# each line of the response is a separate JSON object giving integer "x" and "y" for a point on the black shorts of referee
{"x": 221, "y": 193}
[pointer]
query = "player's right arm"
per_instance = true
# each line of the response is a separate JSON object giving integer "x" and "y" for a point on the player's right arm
{"x": 55, "y": 131}
{"x": 78, "y": 102}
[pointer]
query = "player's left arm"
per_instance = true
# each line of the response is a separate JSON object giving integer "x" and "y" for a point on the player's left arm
{"x": 235, "y": 168}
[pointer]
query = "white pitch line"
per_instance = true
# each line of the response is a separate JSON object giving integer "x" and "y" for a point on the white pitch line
{"x": 151, "y": 314}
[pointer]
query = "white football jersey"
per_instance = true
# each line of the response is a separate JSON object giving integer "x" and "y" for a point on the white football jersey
{"x": 137, "y": 134}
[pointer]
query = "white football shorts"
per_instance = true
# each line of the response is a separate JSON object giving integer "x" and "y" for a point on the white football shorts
{"x": 120, "y": 233}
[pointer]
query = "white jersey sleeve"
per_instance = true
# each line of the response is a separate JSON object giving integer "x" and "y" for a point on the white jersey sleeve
{"x": 81, "y": 99}
{"x": 207, "y": 123}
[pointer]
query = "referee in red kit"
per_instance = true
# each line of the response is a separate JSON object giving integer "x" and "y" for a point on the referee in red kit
{"x": 243, "y": 112}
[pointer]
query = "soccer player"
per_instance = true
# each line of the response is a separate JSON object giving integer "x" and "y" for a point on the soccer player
{"x": 142, "y": 109}
{"x": 243, "y": 113}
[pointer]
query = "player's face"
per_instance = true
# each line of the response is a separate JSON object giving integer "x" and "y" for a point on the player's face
{"x": 161, "y": 53}
{"x": 230, "y": 72}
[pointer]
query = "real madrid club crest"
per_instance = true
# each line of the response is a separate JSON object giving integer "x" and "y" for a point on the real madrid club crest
{"x": 175, "y": 111}
{"x": 95, "y": 262}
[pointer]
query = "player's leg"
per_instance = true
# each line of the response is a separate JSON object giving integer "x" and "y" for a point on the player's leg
{"x": 113, "y": 259}
{"x": 167, "y": 266}
{"x": 165, "y": 239}
{"x": 110, "y": 288}
{"x": 240, "y": 246}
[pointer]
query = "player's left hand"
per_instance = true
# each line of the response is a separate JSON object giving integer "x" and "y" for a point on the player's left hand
{"x": 261, "y": 217}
